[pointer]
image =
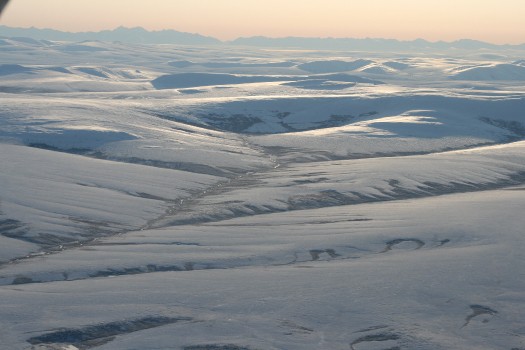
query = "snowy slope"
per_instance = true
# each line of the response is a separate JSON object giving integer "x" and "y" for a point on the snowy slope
{"x": 233, "y": 198}
{"x": 123, "y": 130}
{"x": 55, "y": 198}
{"x": 419, "y": 275}
{"x": 333, "y": 183}
{"x": 492, "y": 72}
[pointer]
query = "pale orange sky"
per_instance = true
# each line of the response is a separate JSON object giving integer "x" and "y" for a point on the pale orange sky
{"x": 500, "y": 21}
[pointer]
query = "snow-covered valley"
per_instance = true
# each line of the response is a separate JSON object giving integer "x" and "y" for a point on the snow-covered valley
{"x": 234, "y": 198}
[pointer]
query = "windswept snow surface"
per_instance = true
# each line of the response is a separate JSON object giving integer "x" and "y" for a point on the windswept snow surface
{"x": 225, "y": 198}
{"x": 63, "y": 197}
{"x": 492, "y": 72}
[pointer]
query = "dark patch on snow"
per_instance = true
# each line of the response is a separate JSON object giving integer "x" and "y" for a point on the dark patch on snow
{"x": 18, "y": 90}
{"x": 325, "y": 198}
{"x": 8, "y": 69}
{"x": 74, "y": 141}
{"x": 111, "y": 272}
{"x": 147, "y": 243}
{"x": 390, "y": 244}
{"x": 295, "y": 328}
{"x": 216, "y": 347}
{"x": 315, "y": 253}
{"x": 336, "y": 120}
{"x": 11, "y": 228}
{"x": 233, "y": 123}
{"x": 443, "y": 242}
{"x": 125, "y": 271}
{"x": 515, "y": 127}
{"x": 372, "y": 328}
{"x": 22, "y": 280}
{"x": 43, "y": 239}
{"x": 381, "y": 337}
{"x": 478, "y": 310}
{"x": 368, "y": 114}
{"x": 191, "y": 91}
{"x": 311, "y": 181}
{"x": 96, "y": 335}
{"x": 320, "y": 84}
{"x": 59, "y": 70}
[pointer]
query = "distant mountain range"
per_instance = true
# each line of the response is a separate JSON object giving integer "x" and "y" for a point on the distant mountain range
{"x": 128, "y": 35}
{"x": 368, "y": 44}
{"x": 141, "y": 35}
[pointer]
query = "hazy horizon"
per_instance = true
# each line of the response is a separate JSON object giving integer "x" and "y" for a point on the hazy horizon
{"x": 495, "y": 22}
{"x": 263, "y": 36}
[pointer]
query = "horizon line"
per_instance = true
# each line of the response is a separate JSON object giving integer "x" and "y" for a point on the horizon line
{"x": 268, "y": 37}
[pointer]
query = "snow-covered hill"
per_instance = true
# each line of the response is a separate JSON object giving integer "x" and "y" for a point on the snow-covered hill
{"x": 502, "y": 71}
{"x": 228, "y": 198}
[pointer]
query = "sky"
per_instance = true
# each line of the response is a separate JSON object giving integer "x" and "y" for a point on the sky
{"x": 496, "y": 21}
